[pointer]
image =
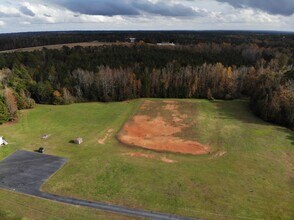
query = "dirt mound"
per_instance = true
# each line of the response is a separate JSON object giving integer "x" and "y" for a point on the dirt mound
{"x": 158, "y": 133}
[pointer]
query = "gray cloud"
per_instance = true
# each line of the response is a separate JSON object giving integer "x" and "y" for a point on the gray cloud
{"x": 103, "y": 7}
{"x": 6, "y": 15}
{"x": 125, "y": 7}
{"x": 277, "y": 7}
{"x": 47, "y": 15}
{"x": 26, "y": 11}
{"x": 164, "y": 9}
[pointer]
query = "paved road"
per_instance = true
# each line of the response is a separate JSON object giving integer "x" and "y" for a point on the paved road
{"x": 25, "y": 172}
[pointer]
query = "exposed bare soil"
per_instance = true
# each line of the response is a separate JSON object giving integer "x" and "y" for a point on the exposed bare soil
{"x": 149, "y": 156}
{"x": 166, "y": 160}
{"x": 160, "y": 132}
{"x": 219, "y": 154}
{"x": 136, "y": 154}
{"x": 106, "y": 136}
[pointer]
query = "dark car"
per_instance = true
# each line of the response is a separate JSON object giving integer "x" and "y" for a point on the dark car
{"x": 41, "y": 150}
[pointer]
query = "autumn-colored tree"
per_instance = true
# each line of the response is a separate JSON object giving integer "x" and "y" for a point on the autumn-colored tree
{"x": 4, "y": 113}
{"x": 11, "y": 102}
{"x": 209, "y": 95}
{"x": 57, "y": 98}
{"x": 67, "y": 97}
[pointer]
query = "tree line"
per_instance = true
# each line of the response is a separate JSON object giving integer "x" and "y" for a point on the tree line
{"x": 117, "y": 73}
{"x": 33, "y": 39}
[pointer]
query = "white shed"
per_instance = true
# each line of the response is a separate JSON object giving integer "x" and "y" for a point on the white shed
{"x": 166, "y": 44}
{"x": 3, "y": 141}
{"x": 78, "y": 140}
{"x": 132, "y": 39}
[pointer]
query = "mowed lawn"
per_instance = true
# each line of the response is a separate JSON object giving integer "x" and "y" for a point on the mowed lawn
{"x": 15, "y": 206}
{"x": 249, "y": 176}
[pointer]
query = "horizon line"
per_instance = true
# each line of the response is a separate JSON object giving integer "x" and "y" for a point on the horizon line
{"x": 153, "y": 30}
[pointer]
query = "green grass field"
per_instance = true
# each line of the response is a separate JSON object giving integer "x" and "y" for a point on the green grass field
{"x": 15, "y": 206}
{"x": 250, "y": 177}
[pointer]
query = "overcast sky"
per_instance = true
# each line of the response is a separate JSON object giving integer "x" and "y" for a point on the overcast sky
{"x": 50, "y": 15}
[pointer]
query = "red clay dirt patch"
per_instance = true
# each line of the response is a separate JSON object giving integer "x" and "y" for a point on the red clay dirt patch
{"x": 159, "y": 133}
{"x": 145, "y": 104}
{"x": 136, "y": 154}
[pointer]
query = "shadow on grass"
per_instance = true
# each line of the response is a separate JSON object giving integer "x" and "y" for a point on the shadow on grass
{"x": 240, "y": 110}
{"x": 291, "y": 137}
{"x": 290, "y": 134}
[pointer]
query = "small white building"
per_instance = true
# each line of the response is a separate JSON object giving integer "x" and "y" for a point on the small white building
{"x": 3, "y": 141}
{"x": 79, "y": 140}
{"x": 132, "y": 39}
{"x": 166, "y": 44}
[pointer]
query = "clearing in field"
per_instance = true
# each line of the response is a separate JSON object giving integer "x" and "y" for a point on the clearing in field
{"x": 249, "y": 174}
{"x": 163, "y": 126}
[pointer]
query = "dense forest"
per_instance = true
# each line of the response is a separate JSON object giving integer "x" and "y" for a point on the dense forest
{"x": 259, "y": 67}
{"x": 262, "y": 39}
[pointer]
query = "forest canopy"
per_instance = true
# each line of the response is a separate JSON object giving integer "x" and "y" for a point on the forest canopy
{"x": 214, "y": 70}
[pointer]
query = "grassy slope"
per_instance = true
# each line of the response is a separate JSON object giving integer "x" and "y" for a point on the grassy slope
{"x": 254, "y": 179}
{"x": 64, "y": 123}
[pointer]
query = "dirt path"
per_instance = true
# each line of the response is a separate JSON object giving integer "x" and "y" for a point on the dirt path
{"x": 160, "y": 133}
{"x": 149, "y": 156}
{"x": 106, "y": 136}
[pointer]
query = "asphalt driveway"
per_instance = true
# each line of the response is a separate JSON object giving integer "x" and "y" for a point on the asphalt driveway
{"x": 25, "y": 172}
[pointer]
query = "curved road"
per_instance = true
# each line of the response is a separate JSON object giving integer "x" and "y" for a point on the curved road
{"x": 111, "y": 208}
{"x": 25, "y": 172}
